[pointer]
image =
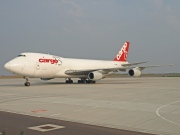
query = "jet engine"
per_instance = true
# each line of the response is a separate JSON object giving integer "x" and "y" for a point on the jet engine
{"x": 94, "y": 76}
{"x": 136, "y": 72}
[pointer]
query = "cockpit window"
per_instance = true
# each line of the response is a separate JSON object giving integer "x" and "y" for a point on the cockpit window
{"x": 21, "y": 55}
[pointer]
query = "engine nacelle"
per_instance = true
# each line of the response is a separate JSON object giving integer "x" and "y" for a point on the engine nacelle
{"x": 136, "y": 72}
{"x": 94, "y": 76}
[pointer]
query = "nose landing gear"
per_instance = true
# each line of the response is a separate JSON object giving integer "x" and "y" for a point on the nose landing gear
{"x": 27, "y": 83}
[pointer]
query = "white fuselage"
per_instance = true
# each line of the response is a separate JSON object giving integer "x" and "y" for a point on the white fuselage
{"x": 39, "y": 65}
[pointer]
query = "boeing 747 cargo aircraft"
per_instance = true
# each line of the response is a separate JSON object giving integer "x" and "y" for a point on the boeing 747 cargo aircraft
{"x": 46, "y": 67}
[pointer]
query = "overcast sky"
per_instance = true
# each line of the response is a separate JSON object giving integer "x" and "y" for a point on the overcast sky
{"x": 92, "y": 29}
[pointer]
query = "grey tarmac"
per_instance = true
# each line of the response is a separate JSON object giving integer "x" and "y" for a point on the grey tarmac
{"x": 14, "y": 124}
{"x": 147, "y": 105}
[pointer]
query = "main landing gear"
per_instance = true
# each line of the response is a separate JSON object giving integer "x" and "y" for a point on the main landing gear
{"x": 86, "y": 81}
{"x": 27, "y": 83}
{"x": 81, "y": 81}
{"x": 69, "y": 80}
{"x": 90, "y": 81}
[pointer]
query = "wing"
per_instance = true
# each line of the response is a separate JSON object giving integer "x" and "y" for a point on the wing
{"x": 107, "y": 70}
{"x": 80, "y": 72}
{"x": 102, "y": 70}
{"x": 143, "y": 67}
{"x": 132, "y": 64}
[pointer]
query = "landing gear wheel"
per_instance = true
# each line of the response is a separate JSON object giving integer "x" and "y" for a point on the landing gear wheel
{"x": 90, "y": 81}
{"x": 27, "y": 83}
{"x": 93, "y": 81}
{"x": 69, "y": 80}
{"x": 82, "y": 81}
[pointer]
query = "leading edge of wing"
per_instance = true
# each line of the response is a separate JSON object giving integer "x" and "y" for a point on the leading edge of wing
{"x": 132, "y": 64}
{"x": 143, "y": 67}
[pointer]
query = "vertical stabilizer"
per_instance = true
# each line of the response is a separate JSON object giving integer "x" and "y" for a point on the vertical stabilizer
{"x": 123, "y": 53}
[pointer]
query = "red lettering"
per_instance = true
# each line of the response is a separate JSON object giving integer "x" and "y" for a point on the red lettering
{"x": 52, "y": 61}
{"x": 47, "y": 60}
{"x": 55, "y": 61}
{"x": 41, "y": 60}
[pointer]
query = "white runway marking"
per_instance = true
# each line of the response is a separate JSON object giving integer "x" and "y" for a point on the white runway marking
{"x": 157, "y": 112}
{"x": 46, "y": 127}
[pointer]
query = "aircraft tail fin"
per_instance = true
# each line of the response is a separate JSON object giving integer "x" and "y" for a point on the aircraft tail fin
{"x": 123, "y": 53}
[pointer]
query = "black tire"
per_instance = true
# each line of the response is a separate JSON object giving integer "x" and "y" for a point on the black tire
{"x": 83, "y": 81}
{"x": 88, "y": 81}
{"x": 69, "y": 81}
{"x": 27, "y": 83}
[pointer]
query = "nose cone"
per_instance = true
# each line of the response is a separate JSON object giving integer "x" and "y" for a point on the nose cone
{"x": 7, "y": 66}
{"x": 13, "y": 66}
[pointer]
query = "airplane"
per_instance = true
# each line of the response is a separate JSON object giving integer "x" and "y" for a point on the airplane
{"x": 47, "y": 67}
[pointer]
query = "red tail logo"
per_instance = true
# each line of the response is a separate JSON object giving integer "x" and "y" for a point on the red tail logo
{"x": 123, "y": 53}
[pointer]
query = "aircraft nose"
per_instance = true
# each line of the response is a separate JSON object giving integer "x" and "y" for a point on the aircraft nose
{"x": 7, "y": 66}
{"x": 13, "y": 66}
